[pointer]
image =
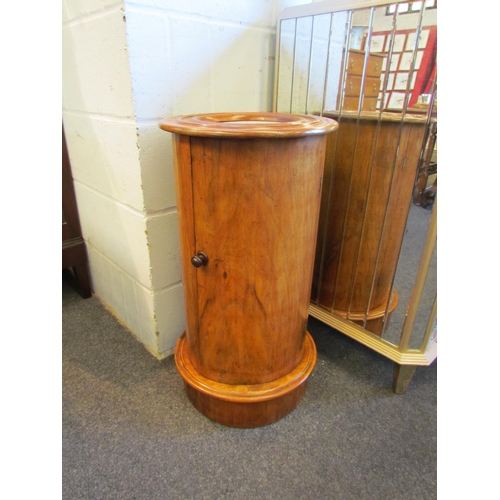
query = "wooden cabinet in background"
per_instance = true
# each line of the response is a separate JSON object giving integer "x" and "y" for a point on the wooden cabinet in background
{"x": 354, "y": 72}
{"x": 370, "y": 168}
{"x": 74, "y": 254}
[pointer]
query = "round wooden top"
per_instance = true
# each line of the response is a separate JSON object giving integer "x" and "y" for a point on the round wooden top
{"x": 278, "y": 125}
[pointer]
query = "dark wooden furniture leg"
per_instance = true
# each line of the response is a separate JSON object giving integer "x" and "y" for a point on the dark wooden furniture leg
{"x": 74, "y": 252}
{"x": 82, "y": 275}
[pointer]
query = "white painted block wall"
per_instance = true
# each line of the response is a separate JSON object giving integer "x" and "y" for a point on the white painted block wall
{"x": 126, "y": 65}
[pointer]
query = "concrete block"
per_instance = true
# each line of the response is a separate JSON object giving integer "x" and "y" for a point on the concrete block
{"x": 191, "y": 66}
{"x": 107, "y": 282}
{"x": 116, "y": 231}
{"x": 242, "y": 68}
{"x": 170, "y": 317}
{"x": 150, "y": 68}
{"x": 73, "y": 9}
{"x": 143, "y": 321}
{"x": 157, "y": 167}
{"x": 164, "y": 250}
{"x": 104, "y": 156}
{"x": 95, "y": 68}
{"x": 127, "y": 300}
{"x": 253, "y": 12}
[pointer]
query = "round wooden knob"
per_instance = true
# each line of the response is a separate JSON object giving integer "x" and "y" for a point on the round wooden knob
{"x": 200, "y": 259}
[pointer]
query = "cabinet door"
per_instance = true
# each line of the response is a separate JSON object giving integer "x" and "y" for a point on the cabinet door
{"x": 255, "y": 211}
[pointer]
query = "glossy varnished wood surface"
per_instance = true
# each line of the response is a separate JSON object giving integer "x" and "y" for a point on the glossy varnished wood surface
{"x": 255, "y": 217}
{"x": 358, "y": 245}
{"x": 185, "y": 214}
{"x": 251, "y": 204}
{"x": 245, "y": 415}
{"x": 284, "y": 125}
{"x": 245, "y": 405}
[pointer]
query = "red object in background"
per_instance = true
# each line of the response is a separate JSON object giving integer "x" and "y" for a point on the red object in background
{"x": 424, "y": 75}
{"x": 427, "y": 70}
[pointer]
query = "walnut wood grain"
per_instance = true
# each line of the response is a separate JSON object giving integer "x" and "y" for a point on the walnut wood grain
{"x": 367, "y": 194}
{"x": 250, "y": 202}
{"x": 185, "y": 215}
{"x": 284, "y": 125}
{"x": 245, "y": 405}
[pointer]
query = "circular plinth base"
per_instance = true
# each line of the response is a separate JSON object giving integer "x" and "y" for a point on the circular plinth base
{"x": 375, "y": 317}
{"x": 245, "y": 405}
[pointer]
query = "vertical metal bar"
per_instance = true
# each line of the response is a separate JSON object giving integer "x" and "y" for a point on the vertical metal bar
{"x": 414, "y": 58}
{"x": 365, "y": 62}
{"x": 344, "y": 66}
{"x": 325, "y": 81}
{"x": 416, "y": 295}
{"x": 430, "y": 131}
{"x": 344, "y": 73}
{"x": 389, "y": 57}
{"x": 358, "y": 251}
{"x": 309, "y": 68}
{"x": 325, "y": 231}
{"x": 293, "y": 65}
{"x": 386, "y": 78}
{"x": 430, "y": 326}
{"x": 277, "y": 60}
{"x": 403, "y": 114}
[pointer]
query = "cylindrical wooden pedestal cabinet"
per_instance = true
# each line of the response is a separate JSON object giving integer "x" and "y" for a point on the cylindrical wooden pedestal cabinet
{"x": 248, "y": 192}
{"x": 370, "y": 169}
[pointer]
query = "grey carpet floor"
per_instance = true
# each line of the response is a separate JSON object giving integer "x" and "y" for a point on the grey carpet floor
{"x": 129, "y": 432}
